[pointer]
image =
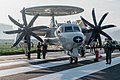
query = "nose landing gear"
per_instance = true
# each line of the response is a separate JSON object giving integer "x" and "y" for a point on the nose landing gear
{"x": 73, "y": 59}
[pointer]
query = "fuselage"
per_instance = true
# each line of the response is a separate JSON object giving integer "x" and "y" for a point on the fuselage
{"x": 70, "y": 36}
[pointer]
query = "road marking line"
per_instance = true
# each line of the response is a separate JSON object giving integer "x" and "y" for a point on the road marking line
{"x": 26, "y": 61}
{"x": 36, "y": 67}
{"x": 79, "y": 72}
{"x": 36, "y": 60}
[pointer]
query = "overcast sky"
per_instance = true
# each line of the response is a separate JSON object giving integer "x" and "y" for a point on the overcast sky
{"x": 13, "y": 8}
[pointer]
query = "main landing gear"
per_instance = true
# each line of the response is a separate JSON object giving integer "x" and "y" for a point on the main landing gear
{"x": 73, "y": 59}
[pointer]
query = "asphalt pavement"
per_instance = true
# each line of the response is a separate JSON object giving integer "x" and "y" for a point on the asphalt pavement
{"x": 18, "y": 67}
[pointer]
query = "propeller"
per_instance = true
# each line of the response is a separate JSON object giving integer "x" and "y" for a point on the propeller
{"x": 25, "y": 31}
{"x": 97, "y": 29}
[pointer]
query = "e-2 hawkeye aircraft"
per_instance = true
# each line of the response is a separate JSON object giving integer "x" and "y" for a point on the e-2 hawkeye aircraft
{"x": 70, "y": 36}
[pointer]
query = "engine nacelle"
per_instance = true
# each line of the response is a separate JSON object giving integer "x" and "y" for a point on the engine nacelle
{"x": 51, "y": 41}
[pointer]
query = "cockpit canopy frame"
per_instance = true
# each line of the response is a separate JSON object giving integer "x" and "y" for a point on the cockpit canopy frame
{"x": 68, "y": 28}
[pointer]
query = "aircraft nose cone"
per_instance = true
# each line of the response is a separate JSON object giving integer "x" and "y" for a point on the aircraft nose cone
{"x": 77, "y": 39}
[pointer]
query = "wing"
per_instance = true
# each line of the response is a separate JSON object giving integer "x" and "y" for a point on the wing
{"x": 41, "y": 32}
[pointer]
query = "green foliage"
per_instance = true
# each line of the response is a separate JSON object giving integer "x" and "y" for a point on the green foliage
{"x": 5, "y": 49}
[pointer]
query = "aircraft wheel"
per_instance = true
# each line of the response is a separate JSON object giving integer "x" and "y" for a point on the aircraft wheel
{"x": 71, "y": 60}
{"x": 76, "y": 59}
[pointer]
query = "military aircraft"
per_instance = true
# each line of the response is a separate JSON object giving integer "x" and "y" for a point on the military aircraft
{"x": 70, "y": 36}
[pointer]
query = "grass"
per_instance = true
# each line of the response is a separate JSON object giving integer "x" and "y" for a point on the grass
{"x": 5, "y": 49}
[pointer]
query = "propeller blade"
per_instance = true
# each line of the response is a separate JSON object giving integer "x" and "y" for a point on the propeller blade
{"x": 33, "y": 20}
{"x": 108, "y": 26}
{"x": 18, "y": 36}
{"x": 24, "y": 17}
{"x": 94, "y": 17}
{"x": 102, "y": 19}
{"x": 99, "y": 40}
{"x": 106, "y": 35}
{"x": 12, "y": 32}
{"x": 15, "y": 22}
{"x": 91, "y": 25}
{"x": 91, "y": 38}
{"x": 36, "y": 36}
{"x": 19, "y": 39}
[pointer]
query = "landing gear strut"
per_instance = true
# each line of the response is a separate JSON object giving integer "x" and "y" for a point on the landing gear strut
{"x": 75, "y": 59}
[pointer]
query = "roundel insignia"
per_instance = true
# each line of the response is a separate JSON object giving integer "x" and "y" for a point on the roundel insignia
{"x": 77, "y": 39}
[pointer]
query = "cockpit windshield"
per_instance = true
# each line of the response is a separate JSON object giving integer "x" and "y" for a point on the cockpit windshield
{"x": 69, "y": 28}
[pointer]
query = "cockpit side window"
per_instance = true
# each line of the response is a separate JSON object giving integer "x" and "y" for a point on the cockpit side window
{"x": 76, "y": 29}
{"x": 60, "y": 29}
{"x": 68, "y": 29}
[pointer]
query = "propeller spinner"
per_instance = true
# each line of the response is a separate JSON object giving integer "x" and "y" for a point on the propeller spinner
{"x": 96, "y": 29}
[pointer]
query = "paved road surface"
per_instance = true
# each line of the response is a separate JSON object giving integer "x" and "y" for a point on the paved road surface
{"x": 57, "y": 67}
